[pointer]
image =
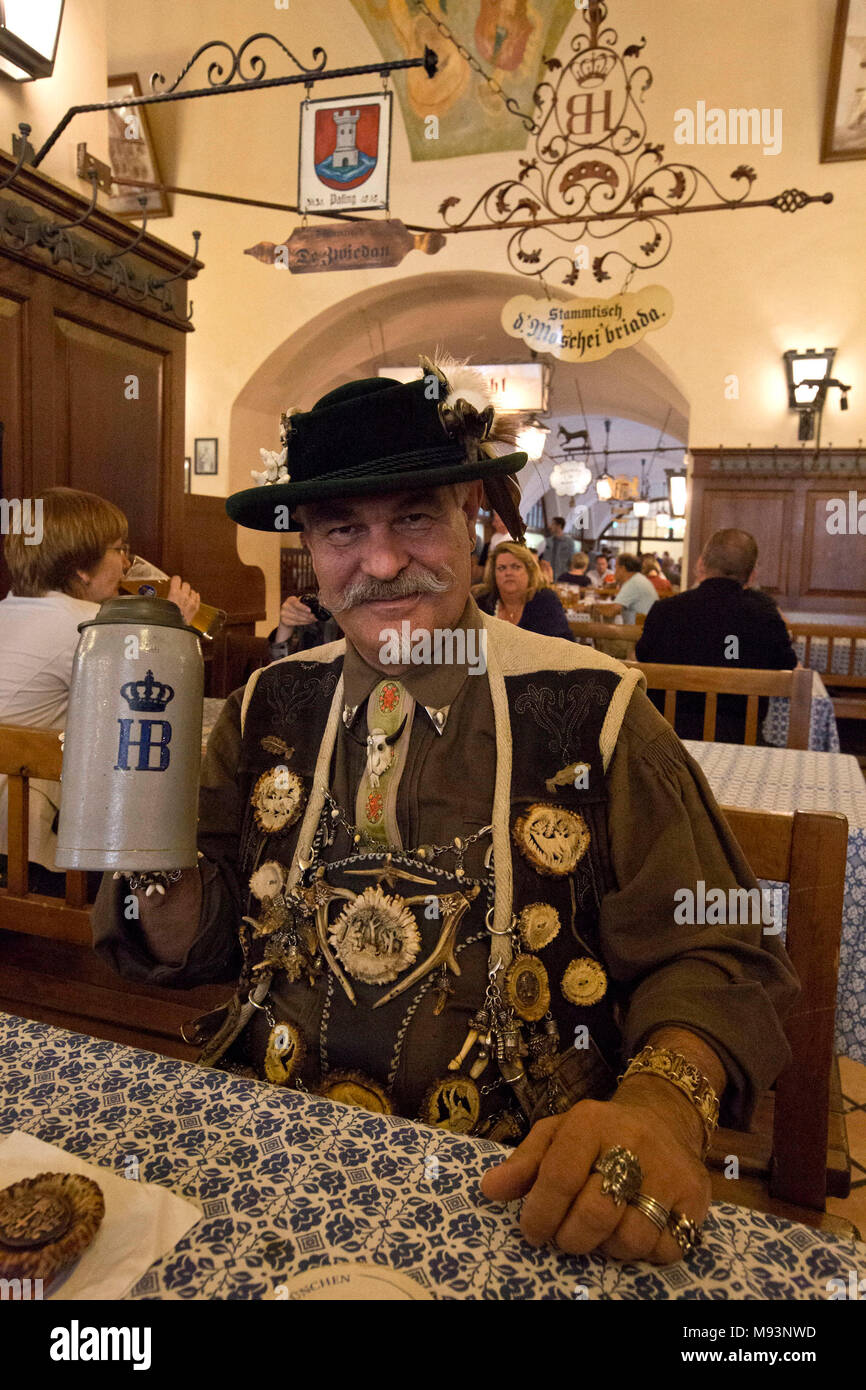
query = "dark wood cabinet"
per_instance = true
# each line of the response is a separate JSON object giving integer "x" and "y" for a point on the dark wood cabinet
{"x": 91, "y": 381}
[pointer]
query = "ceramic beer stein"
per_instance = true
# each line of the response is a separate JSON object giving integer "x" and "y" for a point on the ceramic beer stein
{"x": 132, "y": 752}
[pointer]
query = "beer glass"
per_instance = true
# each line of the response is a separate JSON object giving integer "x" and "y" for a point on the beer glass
{"x": 146, "y": 580}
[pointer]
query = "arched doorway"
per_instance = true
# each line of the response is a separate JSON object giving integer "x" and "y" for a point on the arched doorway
{"x": 393, "y": 323}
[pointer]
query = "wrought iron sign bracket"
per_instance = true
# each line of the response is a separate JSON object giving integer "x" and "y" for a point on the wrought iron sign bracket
{"x": 221, "y": 81}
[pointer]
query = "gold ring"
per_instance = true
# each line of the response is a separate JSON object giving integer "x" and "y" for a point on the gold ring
{"x": 651, "y": 1209}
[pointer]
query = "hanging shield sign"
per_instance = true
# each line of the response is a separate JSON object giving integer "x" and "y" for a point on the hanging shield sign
{"x": 585, "y": 330}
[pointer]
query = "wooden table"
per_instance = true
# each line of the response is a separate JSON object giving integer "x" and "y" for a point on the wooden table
{"x": 288, "y": 1182}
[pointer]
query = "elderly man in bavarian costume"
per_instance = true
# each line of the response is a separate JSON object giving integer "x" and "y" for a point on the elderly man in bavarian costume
{"x": 440, "y": 856}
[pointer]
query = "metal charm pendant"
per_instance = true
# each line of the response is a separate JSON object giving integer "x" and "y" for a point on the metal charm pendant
{"x": 538, "y": 924}
{"x": 353, "y": 1088}
{"x": 454, "y": 1103}
{"x": 526, "y": 988}
{"x": 376, "y": 937}
{"x": 584, "y": 981}
{"x": 550, "y": 838}
{"x": 284, "y": 1054}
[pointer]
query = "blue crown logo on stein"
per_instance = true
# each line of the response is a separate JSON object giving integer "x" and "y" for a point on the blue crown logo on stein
{"x": 148, "y": 696}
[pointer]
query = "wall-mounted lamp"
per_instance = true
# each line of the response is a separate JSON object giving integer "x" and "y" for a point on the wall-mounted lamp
{"x": 29, "y": 33}
{"x": 677, "y": 491}
{"x": 808, "y": 377}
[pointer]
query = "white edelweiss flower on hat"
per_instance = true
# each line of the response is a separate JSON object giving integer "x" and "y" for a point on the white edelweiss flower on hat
{"x": 275, "y": 470}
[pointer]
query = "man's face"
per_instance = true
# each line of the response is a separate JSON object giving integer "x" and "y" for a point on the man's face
{"x": 601, "y": 564}
{"x": 556, "y": 528}
{"x": 377, "y": 554}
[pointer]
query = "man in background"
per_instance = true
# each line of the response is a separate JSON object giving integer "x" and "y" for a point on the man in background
{"x": 559, "y": 548}
{"x": 720, "y": 622}
{"x": 635, "y": 593}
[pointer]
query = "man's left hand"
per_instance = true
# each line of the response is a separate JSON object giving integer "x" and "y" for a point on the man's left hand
{"x": 563, "y": 1202}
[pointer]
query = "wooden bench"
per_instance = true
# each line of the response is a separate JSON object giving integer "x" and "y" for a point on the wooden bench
{"x": 48, "y": 969}
{"x": 713, "y": 681}
{"x": 796, "y": 1153}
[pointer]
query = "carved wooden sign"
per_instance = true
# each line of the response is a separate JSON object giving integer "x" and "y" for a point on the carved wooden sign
{"x": 346, "y": 246}
{"x": 585, "y": 330}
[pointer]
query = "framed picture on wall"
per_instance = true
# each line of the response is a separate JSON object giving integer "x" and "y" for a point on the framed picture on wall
{"x": 131, "y": 152}
{"x": 845, "y": 114}
{"x": 206, "y": 456}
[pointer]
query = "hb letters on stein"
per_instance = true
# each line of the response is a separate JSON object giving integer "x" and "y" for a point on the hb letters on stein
{"x": 148, "y": 696}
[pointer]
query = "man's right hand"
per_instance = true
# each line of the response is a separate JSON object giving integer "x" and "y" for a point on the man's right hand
{"x": 293, "y": 614}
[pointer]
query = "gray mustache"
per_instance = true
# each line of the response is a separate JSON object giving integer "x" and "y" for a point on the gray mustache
{"x": 418, "y": 581}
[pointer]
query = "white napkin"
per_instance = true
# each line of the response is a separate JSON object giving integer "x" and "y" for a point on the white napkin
{"x": 142, "y": 1222}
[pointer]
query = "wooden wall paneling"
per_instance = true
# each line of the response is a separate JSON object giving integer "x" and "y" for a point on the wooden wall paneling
{"x": 834, "y": 565}
{"x": 765, "y": 513}
{"x": 14, "y": 406}
{"x": 113, "y": 445}
{"x": 800, "y": 562}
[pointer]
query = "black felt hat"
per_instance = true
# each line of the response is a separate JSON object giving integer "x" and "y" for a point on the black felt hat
{"x": 378, "y": 435}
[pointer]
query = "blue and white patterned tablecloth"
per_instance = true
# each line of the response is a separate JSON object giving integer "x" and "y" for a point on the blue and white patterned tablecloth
{"x": 786, "y": 779}
{"x": 823, "y": 733}
{"x": 288, "y": 1182}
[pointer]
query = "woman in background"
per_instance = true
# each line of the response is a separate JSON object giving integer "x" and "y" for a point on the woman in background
{"x": 57, "y": 584}
{"x": 513, "y": 589}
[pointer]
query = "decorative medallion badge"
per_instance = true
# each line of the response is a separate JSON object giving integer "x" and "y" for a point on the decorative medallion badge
{"x": 584, "y": 981}
{"x": 551, "y": 838}
{"x": 538, "y": 924}
{"x": 353, "y": 1088}
{"x": 453, "y": 1104}
{"x": 268, "y": 880}
{"x": 284, "y": 1054}
{"x": 389, "y": 697}
{"x": 374, "y": 807}
{"x": 376, "y": 937}
{"x": 527, "y": 989}
{"x": 277, "y": 799}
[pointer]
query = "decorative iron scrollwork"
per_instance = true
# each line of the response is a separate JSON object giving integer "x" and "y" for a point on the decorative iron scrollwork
{"x": 593, "y": 165}
{"x": 218, "y": 76}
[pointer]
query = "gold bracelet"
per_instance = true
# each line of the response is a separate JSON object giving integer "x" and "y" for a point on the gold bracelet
{"x": 683, "y": 1074}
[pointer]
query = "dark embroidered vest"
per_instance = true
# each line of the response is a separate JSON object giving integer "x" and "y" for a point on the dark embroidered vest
{"x": 556, "y": 719}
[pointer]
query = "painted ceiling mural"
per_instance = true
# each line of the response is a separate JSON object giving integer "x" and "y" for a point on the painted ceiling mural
{"x": 507, "y": 38}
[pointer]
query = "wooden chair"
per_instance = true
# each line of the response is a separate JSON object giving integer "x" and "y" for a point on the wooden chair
{"x": 713, "y": 681}
{"x": 796, "y": 1153}
{"x": 56, "y": 977}
{"x": 601, "y": 634}
{"x": 850, "y": 701}
{"x": 37, "y": 754}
